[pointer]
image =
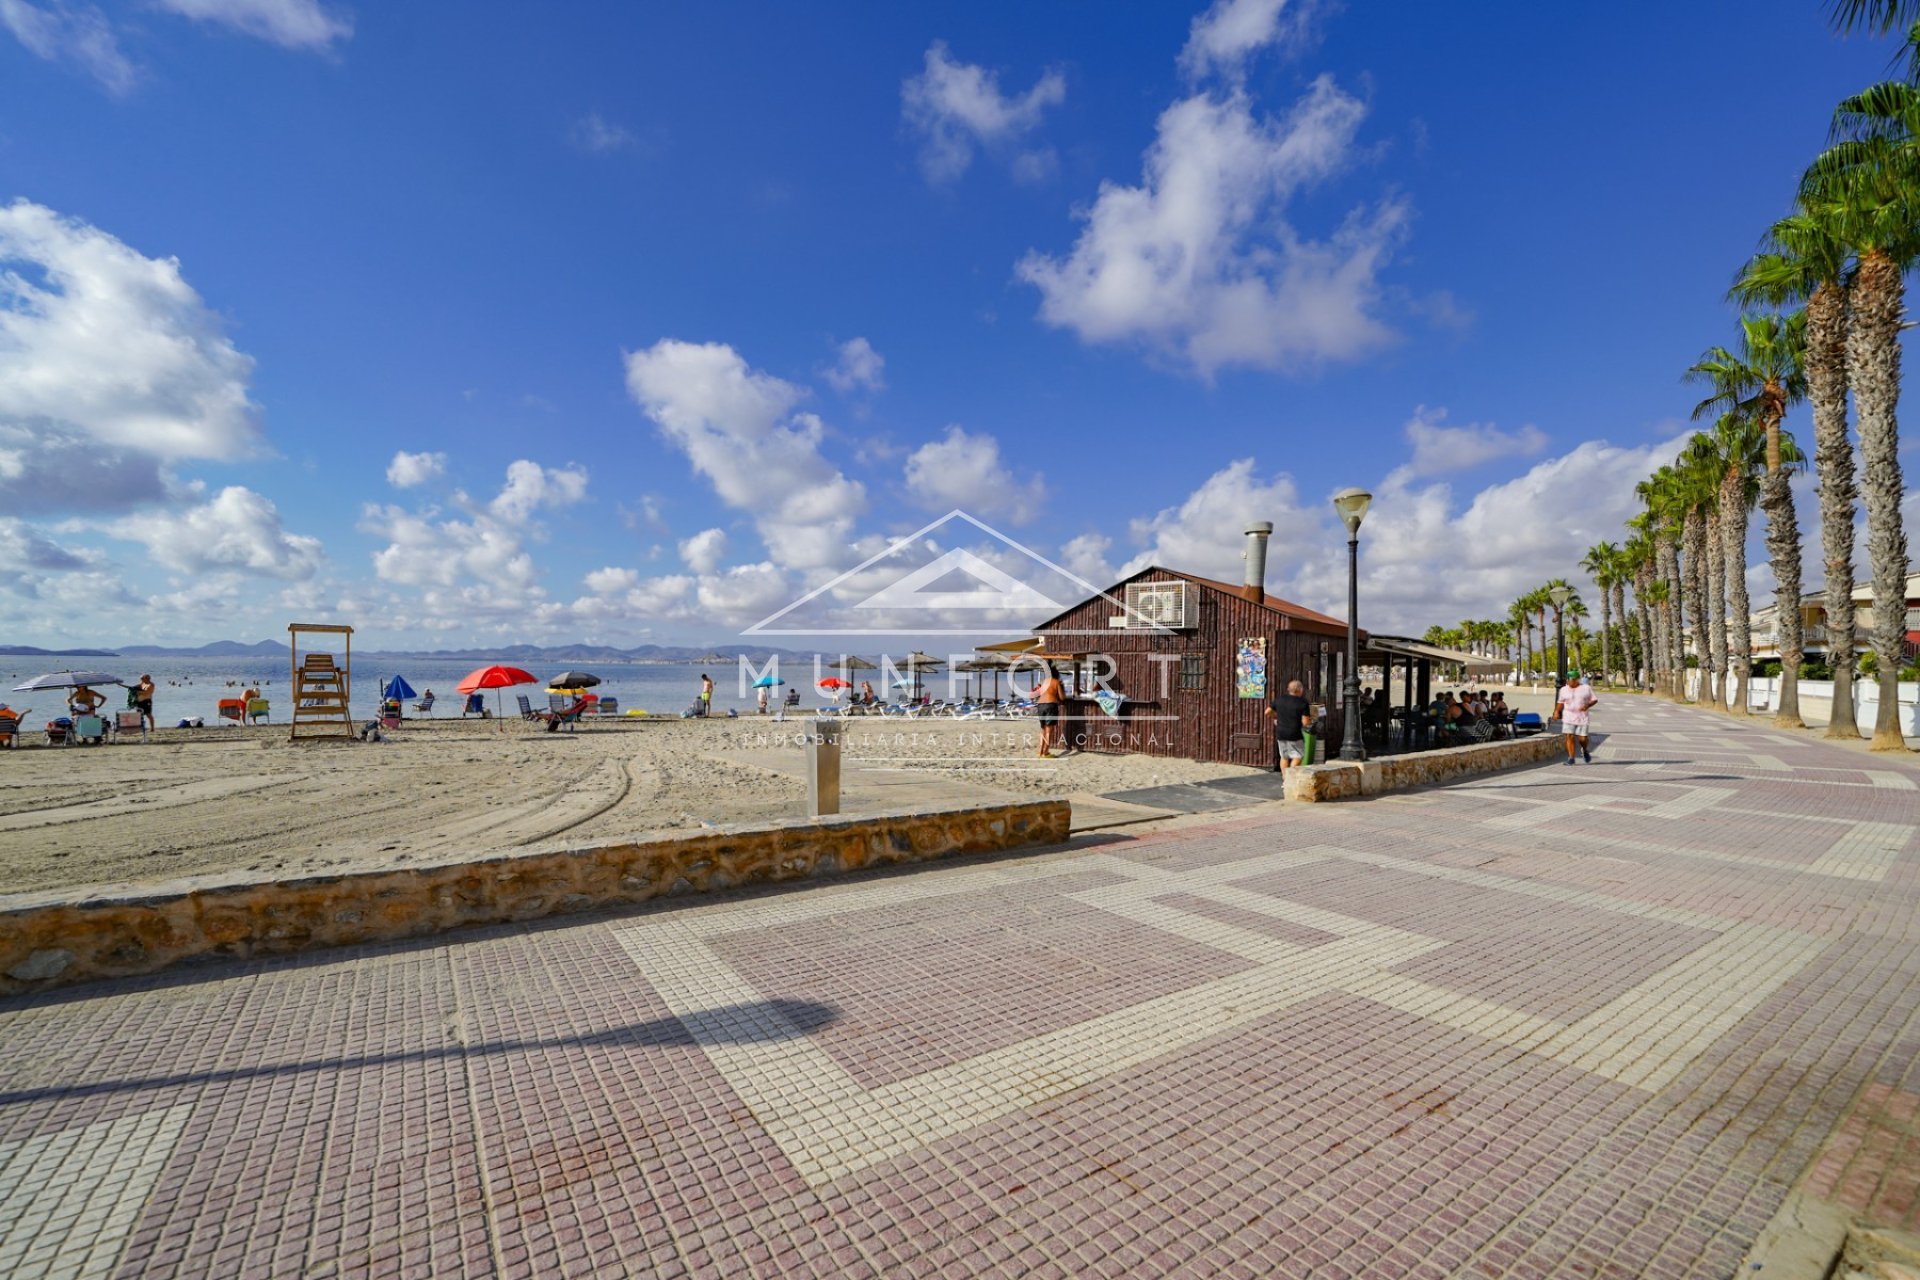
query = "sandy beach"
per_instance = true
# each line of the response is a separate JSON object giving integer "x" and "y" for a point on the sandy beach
{"x": 234, "y": 799}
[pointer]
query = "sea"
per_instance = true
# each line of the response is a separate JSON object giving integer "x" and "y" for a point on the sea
{"x": 193, "y": 687}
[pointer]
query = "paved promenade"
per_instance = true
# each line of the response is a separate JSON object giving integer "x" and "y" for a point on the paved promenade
{"x": 1591, "y": 1021}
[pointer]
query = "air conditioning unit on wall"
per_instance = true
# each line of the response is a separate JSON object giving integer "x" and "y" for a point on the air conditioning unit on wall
{"x": 1172, "y": 605}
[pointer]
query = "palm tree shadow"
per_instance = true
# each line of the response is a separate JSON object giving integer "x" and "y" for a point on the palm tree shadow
{"x": 757, "y": 1022}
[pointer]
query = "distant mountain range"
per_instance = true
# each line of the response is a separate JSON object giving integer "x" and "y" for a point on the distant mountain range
{"x": 515, "y": 653}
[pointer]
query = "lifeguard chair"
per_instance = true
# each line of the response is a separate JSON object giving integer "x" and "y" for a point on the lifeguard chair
{"x": 320, "y": 686}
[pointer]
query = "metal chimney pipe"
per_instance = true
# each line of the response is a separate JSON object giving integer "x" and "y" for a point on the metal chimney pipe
{"x": 1256, "y": 557}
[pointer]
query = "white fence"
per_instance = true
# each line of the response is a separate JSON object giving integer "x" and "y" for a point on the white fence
{"x": 1763, "y": 695}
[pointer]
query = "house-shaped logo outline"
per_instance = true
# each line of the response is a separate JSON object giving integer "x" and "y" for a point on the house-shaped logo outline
{"x": 945, "y": 564}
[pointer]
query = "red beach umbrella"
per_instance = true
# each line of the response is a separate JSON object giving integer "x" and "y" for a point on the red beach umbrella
{"x": 495, "y": 678}
{"x": 835, "y": 682}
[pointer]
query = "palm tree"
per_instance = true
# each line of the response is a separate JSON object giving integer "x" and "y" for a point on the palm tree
{"x": 1802, "y": 261}
{"x": 1699, "y": 474}
{"x": 1864, "y": 187}
{"x": 1659, "y": 592}
{"x": 1601, "y": 563}
{"x": 1876, "y": 17}
{"x": 1637, "y": 566}
{"x": 1517, "y": 618}
{"x": 1762, "y": 380}
{"x": 1660, "y": 492}
{"x": 1739, "y": 450}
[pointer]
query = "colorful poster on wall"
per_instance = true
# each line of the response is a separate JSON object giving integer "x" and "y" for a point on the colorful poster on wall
{"x": 1250, "y": 668}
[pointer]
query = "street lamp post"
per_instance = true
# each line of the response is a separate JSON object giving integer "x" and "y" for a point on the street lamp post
{"x": 1560, "y": 596}
{"x": 1352, "y": 505}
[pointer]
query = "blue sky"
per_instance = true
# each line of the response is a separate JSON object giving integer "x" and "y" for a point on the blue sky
{"x": 617, "y": 322}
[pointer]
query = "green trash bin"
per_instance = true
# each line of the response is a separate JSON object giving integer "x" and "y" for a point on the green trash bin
{"x": 1306, "y": 747}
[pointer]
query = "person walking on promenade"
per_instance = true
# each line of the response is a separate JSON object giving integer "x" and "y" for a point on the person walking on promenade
{"x": 1574, "y": 710}
{"x": 1291, "y": 717}
{"x": 1046, "y": 701}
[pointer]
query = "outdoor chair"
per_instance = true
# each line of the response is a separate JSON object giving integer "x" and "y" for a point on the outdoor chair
{"x": 59, "y": 730}
{"x": 526, "y": 707}
{"x": 563, "y": 711}
{"x": 125, "y": 722}
{"x": 10, "y": 726}
{"x": 608, "y": 707}
{"x": 257, "y": 709}
{"x": 476, "y": 705}
{"x": 91, "y": 729}
{"x": 425, "y": 705}
{"x": 234, "y": 709}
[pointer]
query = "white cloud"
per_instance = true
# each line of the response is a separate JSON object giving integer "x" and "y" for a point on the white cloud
{"x": 291, "y": 24}
{"x": 1438, "y": 448}
{"x": 98, "y": 341}
{"x": 860, "y": 366}
{"x": 1086, "y": 555}
{"x": 1198, "y": 263}
{"x": 738, "y": 429}
{"x": 1426, "y": 558}
{"x": 237, "y": 530}
{"x": 1230, "y": 31}
{"x": 1206, "y": 533}
{"x": 966, "y": 471}
{"x": 704, "y": 551}
{"x": 410, "y": 469}
{"x": 79, "y": 34}
{"x": 957, "y": 107}
{"x": 424, "y": 550}
{"x": 23, "y": 548}
{"x": 610, "y": 580}
{"x": 531, "y": 486}
{"x": 595, "y": 133}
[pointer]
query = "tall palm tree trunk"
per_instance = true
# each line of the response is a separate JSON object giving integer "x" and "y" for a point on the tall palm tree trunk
{"x": 1676, "y": 663}
{"x": 1733, "y": 538}
{"x": 1873, "y": 366}
{"x": 1783, "y": 548}
{"x": 1643, "y": 652}
{"x": 1606, "y": 613}
{"x": 1620, "y": 613}
{"x": 1722, "y": 689}
{"x": 1695, "y": 564}
{"x": 1826, "y": 362}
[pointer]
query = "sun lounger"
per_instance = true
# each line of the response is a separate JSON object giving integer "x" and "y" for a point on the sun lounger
{"x": 562, "y": 711}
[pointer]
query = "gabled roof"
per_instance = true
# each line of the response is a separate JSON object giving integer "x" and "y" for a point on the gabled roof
{"x": 1272, "y": 603}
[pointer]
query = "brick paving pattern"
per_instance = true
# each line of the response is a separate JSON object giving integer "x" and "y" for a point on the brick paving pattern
{"x": 1589, "y": 1021}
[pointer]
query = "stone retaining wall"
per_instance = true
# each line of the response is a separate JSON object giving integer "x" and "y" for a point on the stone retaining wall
{"x": 1342, "y": 780}
{"x": 51, "y": 939}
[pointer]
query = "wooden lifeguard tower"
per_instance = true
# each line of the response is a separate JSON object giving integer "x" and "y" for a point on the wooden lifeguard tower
{"x": 320, "y": 687}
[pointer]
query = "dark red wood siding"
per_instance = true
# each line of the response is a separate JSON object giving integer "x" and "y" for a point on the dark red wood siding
{"x": 1209, "y": 723}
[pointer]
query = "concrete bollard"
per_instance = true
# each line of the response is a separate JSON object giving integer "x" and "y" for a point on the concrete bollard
{"x": 823, "y": 767}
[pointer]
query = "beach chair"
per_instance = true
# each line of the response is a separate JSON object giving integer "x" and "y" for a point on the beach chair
{"x": 562, "y": 710}
{"x": 59, "y": 731}
{"x": 10, "y": 725}
{"x": 425, "y": 705}
{"x": 234, "y": 709}
{"x": 607, "y": 707}
{"x": 526, "y": 707}
{"x": 257, "y": 709}
{"x": 125, "y": 722}
{"x": 476, "y": 706}
{"x": 91, "y": 729}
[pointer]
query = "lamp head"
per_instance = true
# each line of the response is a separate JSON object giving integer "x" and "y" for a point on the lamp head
{"x": 1352, "y": 505}
{"x": 1560, "y": 596}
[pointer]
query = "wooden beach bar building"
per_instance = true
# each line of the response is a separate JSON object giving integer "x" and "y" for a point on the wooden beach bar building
{"x": 1194, "y": 660}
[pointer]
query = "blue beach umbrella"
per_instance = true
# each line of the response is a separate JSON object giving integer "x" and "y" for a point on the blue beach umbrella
{"x": 397, "y": 689}
{"x": 767, "y": 682}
